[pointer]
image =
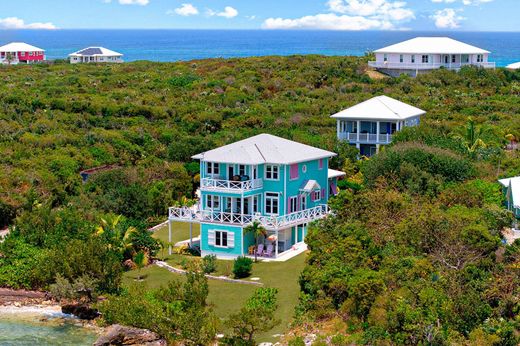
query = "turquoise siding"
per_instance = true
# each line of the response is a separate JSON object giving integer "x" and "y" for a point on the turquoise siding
{"x": 312, "y": 173}
{"x": 236, "y": 250}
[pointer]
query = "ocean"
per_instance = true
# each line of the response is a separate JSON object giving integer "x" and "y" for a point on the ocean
{"x": 175, "y": 45}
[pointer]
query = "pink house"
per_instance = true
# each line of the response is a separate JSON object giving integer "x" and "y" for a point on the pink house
{"x": 423, "y": 54}
{"x": 19, "y": 52}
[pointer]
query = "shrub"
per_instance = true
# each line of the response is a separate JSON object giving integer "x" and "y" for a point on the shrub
{"x": 242, "y": 267}
{"x": 209, "y": 264}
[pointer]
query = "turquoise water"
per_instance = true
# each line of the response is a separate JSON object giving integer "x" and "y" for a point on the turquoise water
{"x": 16, "y": 331}
{"x": 174, "y": 45}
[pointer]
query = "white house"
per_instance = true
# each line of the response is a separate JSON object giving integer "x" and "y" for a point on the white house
{"x": 19, "y": 52}
{"x": 515, "y": 66}
{"x": 423, "y": 54}
{"x": 372, "y": 123}
{"x": 511, "y": 190}
{"x": 95, "y": 55}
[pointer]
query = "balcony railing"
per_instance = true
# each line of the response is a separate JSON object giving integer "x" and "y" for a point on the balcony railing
{"x": 427, "y": 66}
{"x": 186, "y": 214}
{"x": 366, "y": 138}
{"x": 230, "y": 185}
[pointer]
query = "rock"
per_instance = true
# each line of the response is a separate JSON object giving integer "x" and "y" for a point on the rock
{"x": 83, "y": 312}
{"x": 121, "y": 335}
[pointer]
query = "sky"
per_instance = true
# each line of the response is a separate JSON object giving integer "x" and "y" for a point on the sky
{"x": 425, "y": 15}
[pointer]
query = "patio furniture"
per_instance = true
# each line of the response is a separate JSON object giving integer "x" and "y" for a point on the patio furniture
{"x": 260, "y": 250}
{"x": 269, "y": 251}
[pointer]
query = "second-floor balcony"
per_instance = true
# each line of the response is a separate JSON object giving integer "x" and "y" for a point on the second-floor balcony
{"x": 238, "y": 186}
{"x": 269, "y": 222}
{"x": 365, "y": 137}
{"x": 427, "y": 66}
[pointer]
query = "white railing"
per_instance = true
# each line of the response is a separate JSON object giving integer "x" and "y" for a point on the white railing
{"x": 366, "y": 137}
{"x": 427, "y": 66}
{"x": 186, "y": 214}
{"x": 217, "y": 184}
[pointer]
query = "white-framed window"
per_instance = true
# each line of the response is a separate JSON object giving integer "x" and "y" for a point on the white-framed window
{"x": 272, "y": 172}
{"x": 221, "y": 238}
{"x": 212, "y": 168}
{"x": 256, "y": 204}
{"x": 213, "y": 202}
{"x": 293, "y": 204}
{"x": 317, "y": 195}
{"x": 413, "y": 59}
{"x": 272, "y": 203}
{"x": 242, "y": 169}
{"x": 465, "y": 58}
{"x": 453, "y": 58}
{"x": 385, "y": 57}
{"x": 401, "y": 58}
{"x": 425, "y": 59}
{"x": 480, "y": 58}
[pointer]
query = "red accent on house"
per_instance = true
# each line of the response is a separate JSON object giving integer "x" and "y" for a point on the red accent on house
{"x": 294, "y": 171}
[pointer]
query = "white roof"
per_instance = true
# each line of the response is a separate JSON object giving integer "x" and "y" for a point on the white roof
{"x": 264, "y": 148}
{"x": 19, "y": 47}
{"x": 380, "y": 108}
{"x": 515, "y": 189}
{"x": 514, "y": 66}
{"x": 95, "y": 51}
{"x": 432, "y": 45}
{"x": 335, "y": 174}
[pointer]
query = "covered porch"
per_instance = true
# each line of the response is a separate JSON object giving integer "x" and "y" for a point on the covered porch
{"x": 361, "y": 131}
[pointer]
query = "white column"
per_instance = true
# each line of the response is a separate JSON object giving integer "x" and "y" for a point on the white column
{"x": 378, "y": 128}
{"x": 242, "y": 209}
{"x": 338, "y": 128}
{"x": 169, "y": 237}
{"x": 276, "y": 245}
{"x": 358, "y": 129}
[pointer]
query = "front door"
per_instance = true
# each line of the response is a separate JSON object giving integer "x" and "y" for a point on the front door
{"x": 230, "y": 172}
{"x": 246, "y": 206}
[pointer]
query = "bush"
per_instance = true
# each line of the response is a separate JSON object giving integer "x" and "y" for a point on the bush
{"x": 242, "y": 267}
{"x": 209, "y": 264}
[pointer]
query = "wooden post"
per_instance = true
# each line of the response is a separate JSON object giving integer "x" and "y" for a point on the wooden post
{"x": 169, "y": 237}
{"x": 276, "y": 245}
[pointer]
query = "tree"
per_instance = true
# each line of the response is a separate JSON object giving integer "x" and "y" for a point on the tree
{"x": 471, "y": 139}
{"x": 117, "y": 238}
{"x": 257, "y": 231}
{"x": 140, "y": 260}
{"x": 257, "y": 315}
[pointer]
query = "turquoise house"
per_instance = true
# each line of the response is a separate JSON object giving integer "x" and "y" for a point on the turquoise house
{"x": 511, "y": 190}
{"x": 282, "y": 184}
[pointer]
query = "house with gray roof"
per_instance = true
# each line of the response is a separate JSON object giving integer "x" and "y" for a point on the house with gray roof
{"x": 95, "y": 55}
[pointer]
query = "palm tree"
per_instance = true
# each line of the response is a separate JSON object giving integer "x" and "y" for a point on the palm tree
{"x": 118, "y": 238}
{"x": 9, "y": 57}
{"x": 140, "y": 260}
{"x": 471, "y": 139}
{"x": 256, "y": 230}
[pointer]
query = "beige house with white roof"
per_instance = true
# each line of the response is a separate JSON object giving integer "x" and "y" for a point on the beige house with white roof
{"x": 423, "y": 54}
{"x": 372, "y": 123}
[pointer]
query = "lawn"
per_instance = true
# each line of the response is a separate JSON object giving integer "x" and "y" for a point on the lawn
{"x": 180, "y": 232}
{"x": 227, "y": 298}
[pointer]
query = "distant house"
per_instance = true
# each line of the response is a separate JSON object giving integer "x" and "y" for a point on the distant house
{"x": 423, "y": 54}
{"x": 19, "y": 52}
{"x": 372, "y": 123}
{"x": 95, "y": 55}
{"x": 281, "y": 184}
{"x": 511, "y": 189}
{"x": 514, "y": 66}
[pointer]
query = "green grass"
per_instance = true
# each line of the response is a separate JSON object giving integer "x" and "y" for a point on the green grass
{"x": 180, "y": 232}
{"x": 227, "y": 298}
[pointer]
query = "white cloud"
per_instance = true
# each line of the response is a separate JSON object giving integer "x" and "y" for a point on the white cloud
{"x": 328, "y": 21}
{"x": 17, "y": 23}
{"x": 444, "y": 1}
{"x": 475, "y": 2}
{"x": 447, "y": 19}
{"x": 382, "y": 9}
{"x": 134, "y": 2}
{"x": 229, "y": 12}
{"x": 185, "y": 10}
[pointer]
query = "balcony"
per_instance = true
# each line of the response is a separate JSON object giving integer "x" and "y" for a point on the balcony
{"x": 211, "y": 184}
{"x": 426, "y": 66}
{"x": 185, "y": 214}
{"x": 368, "y": 138}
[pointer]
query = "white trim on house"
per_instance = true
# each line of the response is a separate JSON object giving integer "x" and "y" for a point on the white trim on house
{"x": 95, "y": 55}
{"x": 432, "y": 45}
{"x": 514, "y": 184}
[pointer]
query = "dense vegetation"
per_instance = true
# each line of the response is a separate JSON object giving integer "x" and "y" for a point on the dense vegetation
{"x": 413, "y": 255}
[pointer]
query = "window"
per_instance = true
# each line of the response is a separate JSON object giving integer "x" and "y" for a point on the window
{"x": 385, "y": 58}
{"x": 304, "y": 168}
{"x": 320, "y": 164}
{"x": 425, "y": 59}
{"x": 212, "y": 202}
{"x": 401, "y": 58}
{"x": 413, "y": 59}
{"x": 212, "y": 168}
{"x": 480, "y": 58}
{"x": 256, "y": 207}
{"x": 293, "y": 204}
{"x": 242, "y": 169}
{"x": 453, "y": 58}
{"x": 271, "y": 203}
{"x": 316, "y": 195}
{"x": 465, "y": 58}
{"x": 293, "y": 173}
{"x": 271, "y": 172}
{"x": 221, "y": 238}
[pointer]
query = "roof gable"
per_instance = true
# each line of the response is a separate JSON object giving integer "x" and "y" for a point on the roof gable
{"x": 432, "y": 45}
{"x": 95, "y": 51}
{"x": 513, "y": 184}
{"x": 380, "y": 108}
{"x": 264, "y": 148}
